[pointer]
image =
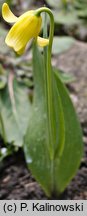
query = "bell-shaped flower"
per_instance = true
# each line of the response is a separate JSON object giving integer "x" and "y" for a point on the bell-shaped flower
{"x": 25, "y": 27}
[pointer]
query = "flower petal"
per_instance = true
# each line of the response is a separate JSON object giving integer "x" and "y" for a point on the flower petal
{"x": 42, "y": 41}
{"x": 8, "y": 15}
{"x": 21, "y": 51}
{"x": 27, "y": 27}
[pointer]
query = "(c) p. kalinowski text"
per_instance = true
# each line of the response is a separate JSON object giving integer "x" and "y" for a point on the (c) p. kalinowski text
{"x": 51, "y": 207}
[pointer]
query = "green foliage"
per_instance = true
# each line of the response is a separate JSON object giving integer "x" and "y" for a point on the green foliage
{"x": 48, "y": 155}
{"x": 69, "y": 12}
{"x": 62, "y": 44}
{"x": 64, "y": 77}
{"x": 66, "y": 18}
{"x": 14, "y": 110}
{"x": 81, "y": 8}
{"x": 53, "y": 167}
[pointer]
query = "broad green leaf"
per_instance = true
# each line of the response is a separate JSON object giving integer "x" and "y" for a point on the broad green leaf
{"x": 61, "y": 44}
{"x": 67, "y": 165}
{"x": 14, "y": 112}
{"x": 53, "y": 173}
{"x": 66, "y": 18}
{"x": 37, "y": 149}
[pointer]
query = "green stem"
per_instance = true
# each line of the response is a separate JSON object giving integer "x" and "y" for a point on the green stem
{"x": 45, "y": 35}
{"x": 49, "y": 80}
{"x": 49, "y": 92}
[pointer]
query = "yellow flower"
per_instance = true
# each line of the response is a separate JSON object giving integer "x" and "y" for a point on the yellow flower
{"x": 26, "y": 27}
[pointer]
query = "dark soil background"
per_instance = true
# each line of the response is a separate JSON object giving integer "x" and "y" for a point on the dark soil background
{"x": 16, "y": 182}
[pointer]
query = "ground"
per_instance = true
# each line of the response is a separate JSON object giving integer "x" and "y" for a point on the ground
{"x": 16, "y": 181}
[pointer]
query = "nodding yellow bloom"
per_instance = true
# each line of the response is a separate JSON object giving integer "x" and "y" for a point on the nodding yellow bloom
{"x": 26, "y": 27}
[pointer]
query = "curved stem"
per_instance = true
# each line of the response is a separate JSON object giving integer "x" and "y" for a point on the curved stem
{"x": 47, "y": 10}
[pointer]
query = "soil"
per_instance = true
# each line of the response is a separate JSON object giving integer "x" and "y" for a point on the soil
{"x": 16, "y": 181}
